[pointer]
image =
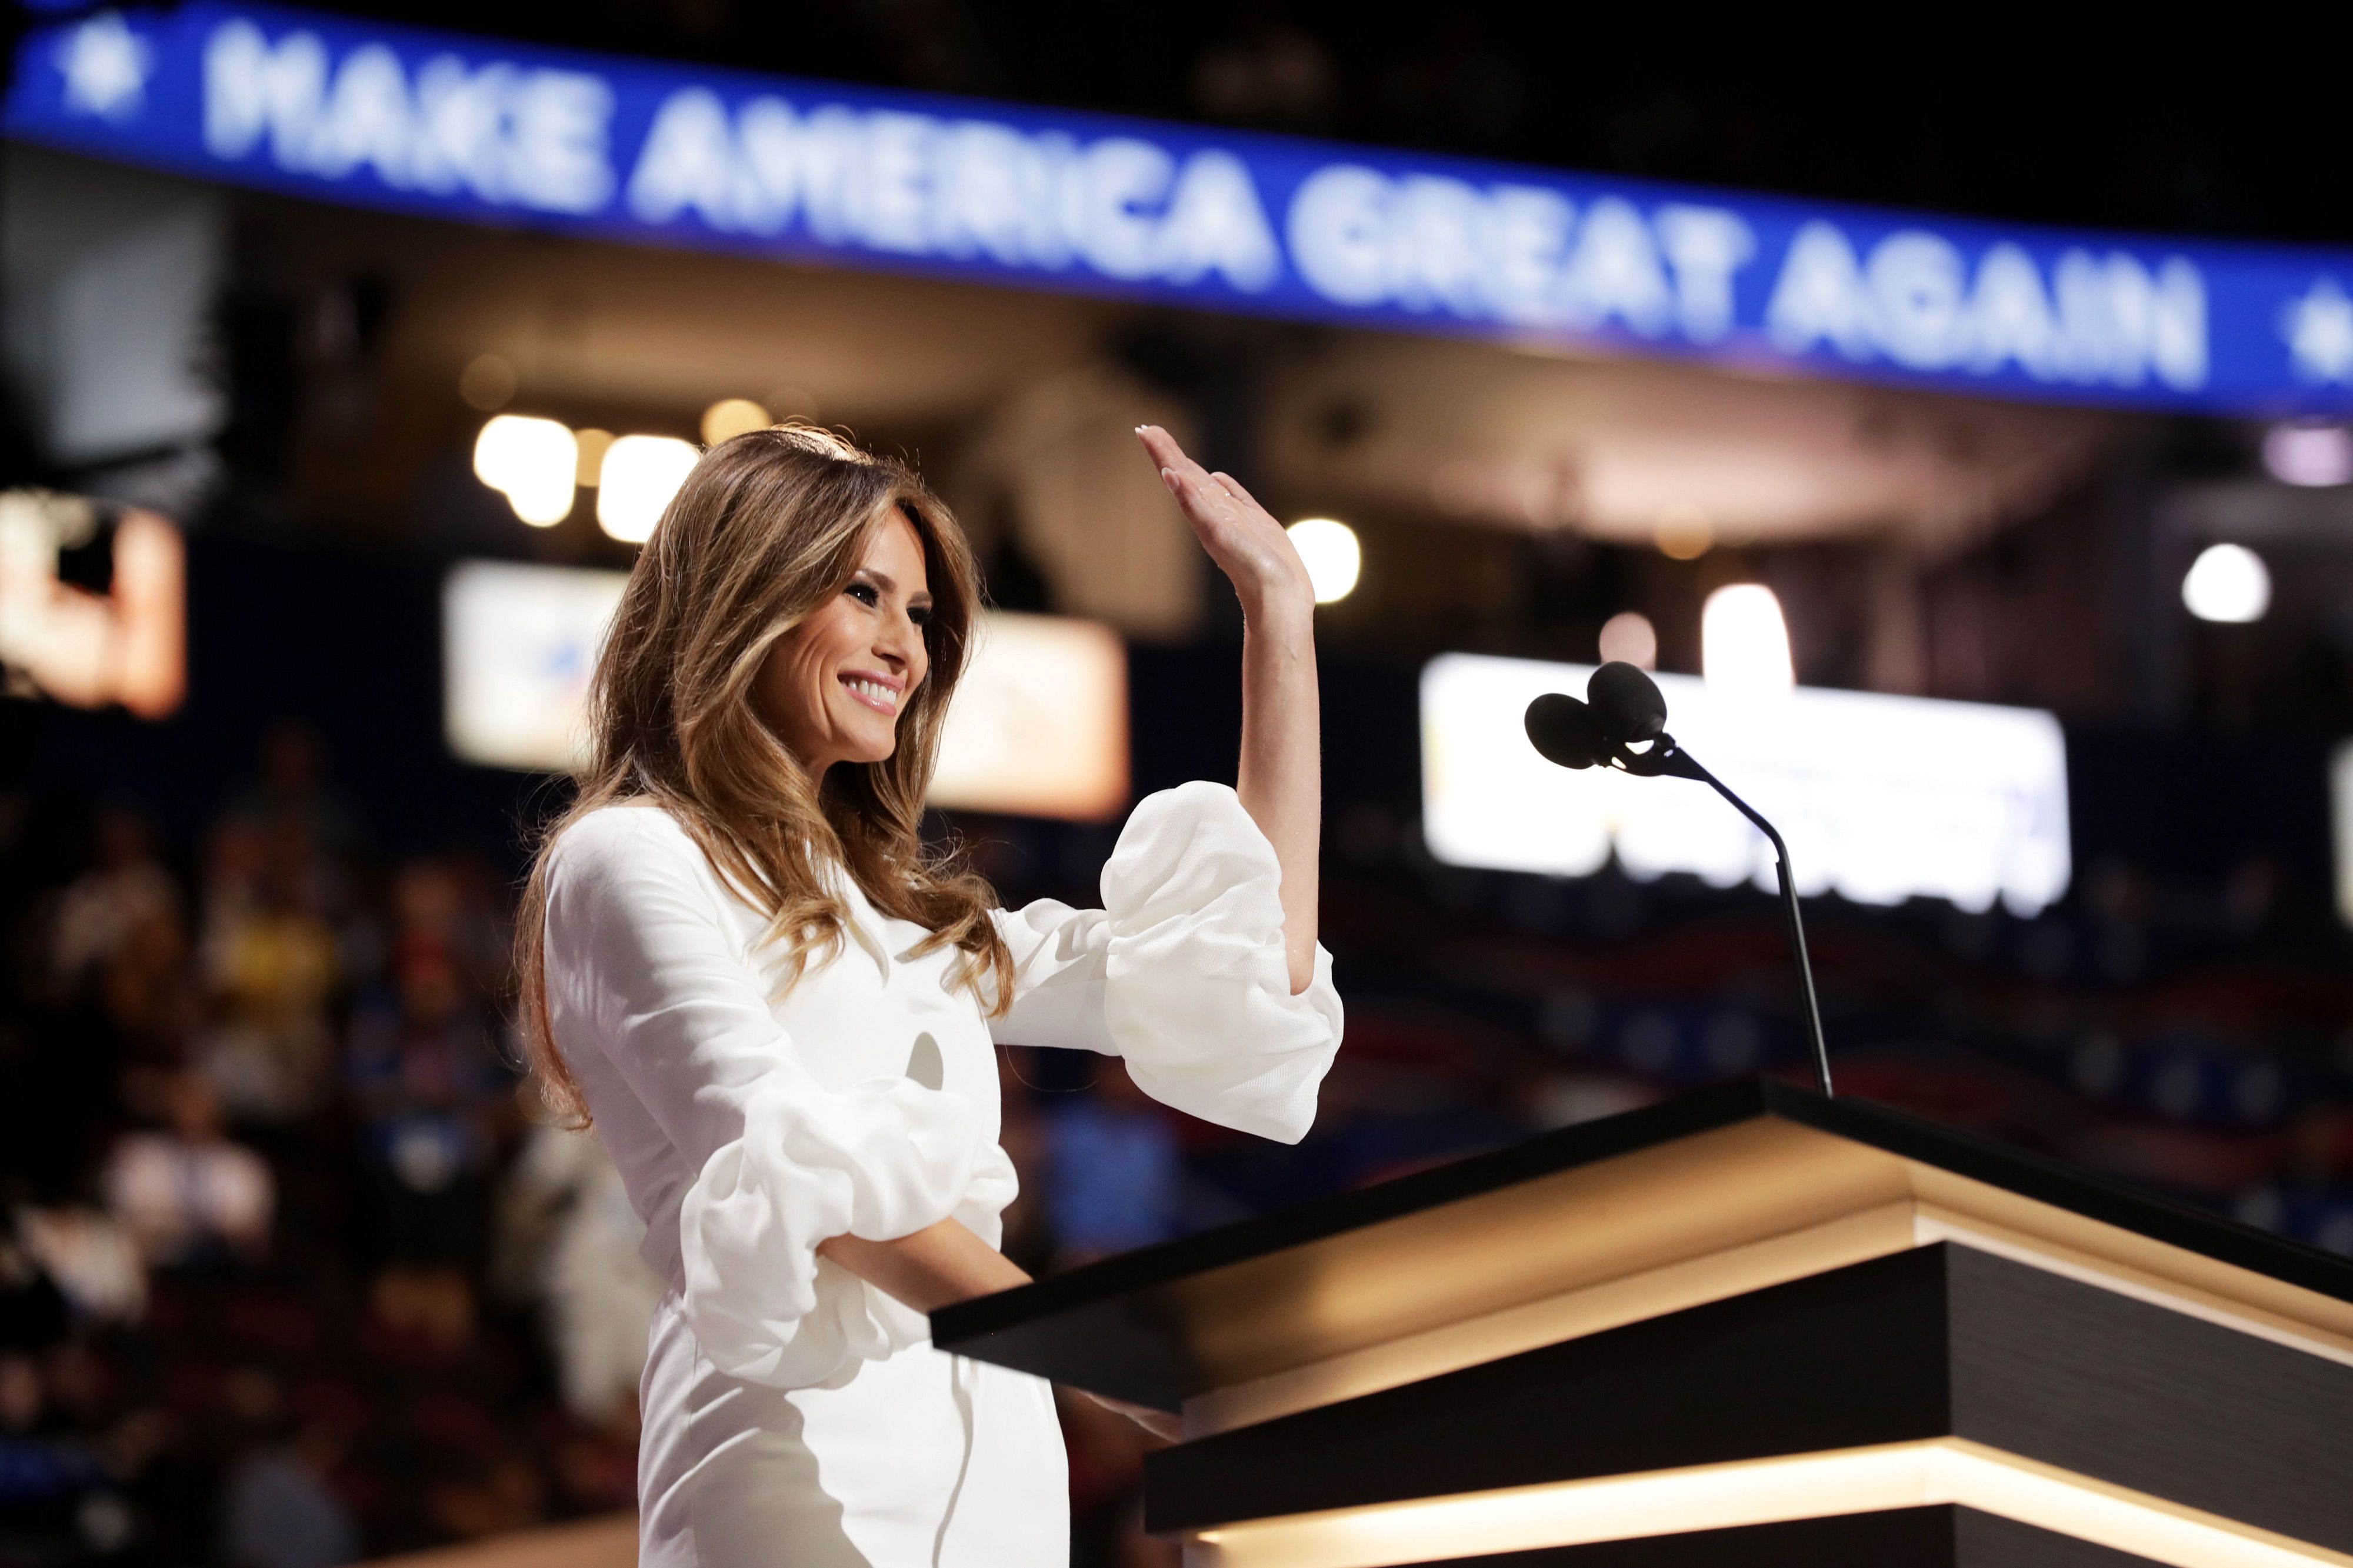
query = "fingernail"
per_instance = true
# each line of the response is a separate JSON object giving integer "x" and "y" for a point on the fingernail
{"x": 1168, "y": 478}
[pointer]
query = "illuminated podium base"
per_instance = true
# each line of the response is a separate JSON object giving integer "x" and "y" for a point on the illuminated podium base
{"x": 1747, "y": 1329}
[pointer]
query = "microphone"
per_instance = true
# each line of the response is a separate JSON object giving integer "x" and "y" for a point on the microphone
{"x": 1623, "y": 708}
{"x": 1628, "y": 703}
{"x": 1567, "y": 731}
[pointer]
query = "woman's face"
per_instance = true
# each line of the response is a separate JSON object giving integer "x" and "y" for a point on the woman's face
{"x": 833, "y": 688}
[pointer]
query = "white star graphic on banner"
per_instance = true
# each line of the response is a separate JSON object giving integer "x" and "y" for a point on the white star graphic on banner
{"x": 105, "y": 66}
{"x": 2319, "y": 331}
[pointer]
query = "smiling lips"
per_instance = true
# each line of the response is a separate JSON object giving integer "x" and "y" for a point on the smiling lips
{"x": 879, "y": 692}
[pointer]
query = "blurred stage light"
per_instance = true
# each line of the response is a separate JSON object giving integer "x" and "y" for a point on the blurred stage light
{"x": 2309, "y": 454}
{"x": 1685, "y": 533}
{"x": 2228, "y": 583}
{"x": 488, "y": 383}
{"x": 532, "y": 461}
{"x": 1329, "y": 550}
{"x": 75, "y": 643}
{"x": 591, "y": 467}
{"x": 639, "y": 476}
{"x": 1628, "y": 637}
{"x": 1743, "y": 643}
{"x": 733, "y": 416}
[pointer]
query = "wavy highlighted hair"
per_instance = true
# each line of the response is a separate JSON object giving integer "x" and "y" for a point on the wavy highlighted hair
{"x": 767, "y": 528}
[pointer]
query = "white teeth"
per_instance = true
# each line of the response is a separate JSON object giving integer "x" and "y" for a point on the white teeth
{"x": 874, "y": 690}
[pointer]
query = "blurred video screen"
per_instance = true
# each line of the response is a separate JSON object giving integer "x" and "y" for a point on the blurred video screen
{"x": 1039, "y": 727}
{"x": 518, "y": 645}
{"x": 1040, "y": 724}
{"x": 1881, "y": 798}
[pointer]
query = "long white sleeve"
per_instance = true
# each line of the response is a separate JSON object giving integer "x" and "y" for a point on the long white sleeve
{"x": 1183, "y": 971}
{"x": 641, "y": 968}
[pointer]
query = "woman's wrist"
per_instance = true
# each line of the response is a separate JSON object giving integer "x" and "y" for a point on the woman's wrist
{"x": 1282, "y": 612}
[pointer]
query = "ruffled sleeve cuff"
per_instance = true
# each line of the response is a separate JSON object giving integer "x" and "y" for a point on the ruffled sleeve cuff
{"x": 880, "y": 1161}
{"x": 1198, "y": 984}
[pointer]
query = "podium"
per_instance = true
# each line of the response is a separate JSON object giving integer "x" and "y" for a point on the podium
{"x": 1752, "y": 1328}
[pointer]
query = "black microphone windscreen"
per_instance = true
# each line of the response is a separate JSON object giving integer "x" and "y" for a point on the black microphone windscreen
{"x": 1627, "y": 703}
{"x": 1565, "y": 731}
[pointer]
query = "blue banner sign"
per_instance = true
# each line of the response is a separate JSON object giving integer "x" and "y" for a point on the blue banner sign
{"x": 382, "y": 116}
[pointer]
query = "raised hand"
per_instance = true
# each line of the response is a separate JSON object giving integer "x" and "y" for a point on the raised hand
{"x": 1248, "y": 546}
{"x": 1280, "y": 776}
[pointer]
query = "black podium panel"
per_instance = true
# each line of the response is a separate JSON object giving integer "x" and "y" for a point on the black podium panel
{"x": 1943, "y": 1537}
{"x": 1171, "y": 1322}
{"x": 1939, "y": 1343}
{"x": 1681, "y": 1326}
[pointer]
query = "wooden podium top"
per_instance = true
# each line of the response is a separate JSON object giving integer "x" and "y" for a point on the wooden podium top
{"x": 1608, "y": 1223}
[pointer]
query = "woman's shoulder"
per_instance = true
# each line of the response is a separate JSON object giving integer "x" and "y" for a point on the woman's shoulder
{"x": 620, "y": 837}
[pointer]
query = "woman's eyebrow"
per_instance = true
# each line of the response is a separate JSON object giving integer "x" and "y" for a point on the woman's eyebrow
{"x": 881, "y": 580}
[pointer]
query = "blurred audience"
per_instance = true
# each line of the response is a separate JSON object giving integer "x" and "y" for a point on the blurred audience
{"x": 244, "y": 1204}
{"x": 568, "y": 1247}
{"x": 125, "y": 892}
{"x": 187, "y": 1196}
{"x": 1114, "y": 1179}
{"x": 426, "y": 1087}
{"x": 270, "y": 960}
{"x": 279, "y": 1510}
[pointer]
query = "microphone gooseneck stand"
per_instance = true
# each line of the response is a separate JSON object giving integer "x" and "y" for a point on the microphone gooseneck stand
{"x": 1665, "y": 757}
{"x": 1624, "y": 709}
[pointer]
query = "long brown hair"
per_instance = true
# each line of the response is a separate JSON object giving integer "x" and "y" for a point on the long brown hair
{"x": 767, "y": 528}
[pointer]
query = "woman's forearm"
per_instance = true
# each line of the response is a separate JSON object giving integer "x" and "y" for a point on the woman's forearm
{"x": 944, "y": 1264}
{"x": 936, "y": 1267}
{"x": 1281, "y": 779}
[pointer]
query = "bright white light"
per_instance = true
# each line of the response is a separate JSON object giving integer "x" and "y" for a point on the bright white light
{"x": 1333, "y": 557}
{"x": 639, "y": 476}
{"x": 1879, "y": 798}
{"x": 2228, "y": 583}
{"x": 1743, "y": 643}
{"x": 2309, "y": 454}
{"x": 1628, "y": 637}
{"x": 532, "y": 461}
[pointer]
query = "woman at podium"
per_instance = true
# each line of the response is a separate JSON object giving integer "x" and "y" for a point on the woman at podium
{"x": 778, "y": 1008}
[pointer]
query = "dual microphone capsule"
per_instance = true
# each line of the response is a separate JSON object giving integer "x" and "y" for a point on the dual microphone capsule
{"x": 1622, "y": 708}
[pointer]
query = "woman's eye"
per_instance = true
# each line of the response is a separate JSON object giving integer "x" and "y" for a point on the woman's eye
{"x": 920, "y": 614}
{"x": 864, "y": 594}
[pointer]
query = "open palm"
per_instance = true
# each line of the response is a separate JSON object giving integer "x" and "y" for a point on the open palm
{"x": 1248, "y": 546}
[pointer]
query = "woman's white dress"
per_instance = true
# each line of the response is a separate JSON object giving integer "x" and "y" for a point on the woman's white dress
{"x": 795, "y": 1416}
